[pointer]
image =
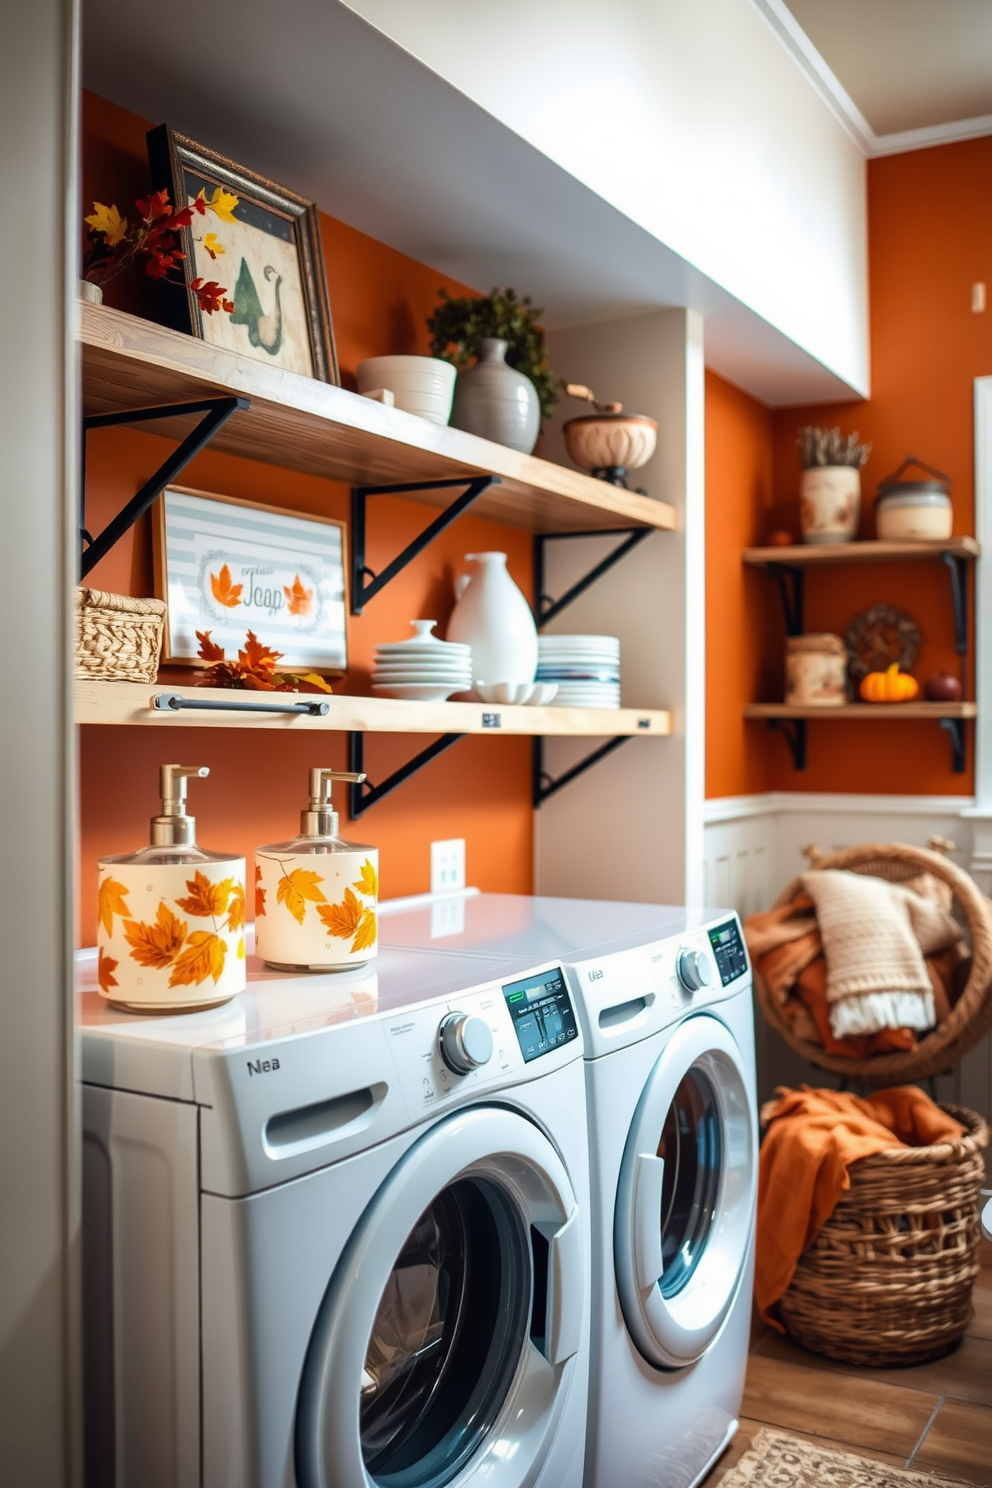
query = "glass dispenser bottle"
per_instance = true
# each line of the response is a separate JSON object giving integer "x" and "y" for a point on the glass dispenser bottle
{"x": 170, "y": 936}
{"x": 316, "y": 895}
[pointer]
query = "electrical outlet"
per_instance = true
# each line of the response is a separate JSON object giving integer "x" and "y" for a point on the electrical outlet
{"x": 447, "y": 865}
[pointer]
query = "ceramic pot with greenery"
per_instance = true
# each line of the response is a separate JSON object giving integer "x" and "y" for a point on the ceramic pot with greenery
{"x": 505, "y": 386}
{"x": 830, "y": 484}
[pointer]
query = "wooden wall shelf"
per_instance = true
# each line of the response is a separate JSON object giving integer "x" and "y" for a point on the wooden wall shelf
{"x": 824, "y": 555}
{"x": 879, "y": 712}
{"x": 306, "y": 425}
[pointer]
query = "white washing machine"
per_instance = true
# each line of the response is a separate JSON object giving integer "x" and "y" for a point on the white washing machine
{"x": 336, "y": 1232}
{"x": 665, "y": 1002}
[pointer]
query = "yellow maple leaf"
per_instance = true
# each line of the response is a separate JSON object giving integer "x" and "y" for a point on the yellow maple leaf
{"x": 105, "y": 969}
{"x": 367, "y": 881}
{"x": 107, "y": 220}
{"x": 158, "y": 944}
{"x": 223, "y": 204}
{"x": 316, "y": 681}
{"x": 236, "y": 909}
{"x": 296, "y": 888}
{"x": 111, "y": 902}
{"x": 206, "y": 898}
{"x": 212, "y": 246}
{"x": 203, "y": 957}
{"x": 241, "y": 949}
{"x": 342, "y": 920}
{"x": 366, "y": 933}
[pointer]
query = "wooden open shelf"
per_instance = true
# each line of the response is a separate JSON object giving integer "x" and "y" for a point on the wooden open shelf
{"x": 306, "y": 425}
{"x": 130, "y": 703}
{"x": 822, "y": 555}
{"x": 884, "y": 712}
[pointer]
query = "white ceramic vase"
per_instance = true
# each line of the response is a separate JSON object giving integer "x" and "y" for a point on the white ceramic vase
{"x": 830, "y": 503}
{"x": 493, "y": 618}
{"x": 418, "y": 384}
{"x": 496, "y": 401}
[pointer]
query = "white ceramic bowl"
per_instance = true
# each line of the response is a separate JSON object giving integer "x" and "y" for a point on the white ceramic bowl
{"x": 516, "y": 694}
{"x": 421, "y": 385}
{"x": 418, "y": 692}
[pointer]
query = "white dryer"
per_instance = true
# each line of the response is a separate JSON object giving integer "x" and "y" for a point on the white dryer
{"x": 665, "y": 1002}
{"x": 335, "y": 1233}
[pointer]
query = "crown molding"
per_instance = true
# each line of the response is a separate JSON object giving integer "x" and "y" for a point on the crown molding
{"x": 793, "y": 39}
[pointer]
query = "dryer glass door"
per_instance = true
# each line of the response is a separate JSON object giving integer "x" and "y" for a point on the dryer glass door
{"x": 445, "y": 1342}
{"x": 685, "y": 1200}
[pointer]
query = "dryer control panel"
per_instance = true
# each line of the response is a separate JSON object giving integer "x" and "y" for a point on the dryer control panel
{"x": 728, "y": 948}
{"x": 541, "y": 1009}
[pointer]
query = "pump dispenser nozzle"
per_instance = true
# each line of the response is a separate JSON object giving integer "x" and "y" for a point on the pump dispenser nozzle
{"x": 173, "y": 828}
{"x": 319, "y": 819}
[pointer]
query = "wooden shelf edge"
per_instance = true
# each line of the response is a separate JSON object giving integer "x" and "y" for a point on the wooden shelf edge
{"x": 813, "y": 555}
{"x": 887, "y": 712}
{"x": 177, "y": 366}
{"x": 129, "y": 703}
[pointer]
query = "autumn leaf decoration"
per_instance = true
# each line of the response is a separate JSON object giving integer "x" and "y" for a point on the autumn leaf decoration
{"x": 106, "y": 966}
{"x": 195, "y": 955}
{"x": 367, "y": 881}
{"x": 152, "y": 242}
{"x": 255, "y": 667}
{"x": 351, "y": 919}
{"x": 298, "y": 597}
{"x": 296, "y": 888}
{"x": 111, "y": 902}
{"x": 259, "y": 893}
{"x": 223, "y": 591}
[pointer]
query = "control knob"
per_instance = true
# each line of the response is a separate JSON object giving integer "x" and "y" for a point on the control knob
{"x": 465, "y": 1042}
{"x": 694, "y": 970}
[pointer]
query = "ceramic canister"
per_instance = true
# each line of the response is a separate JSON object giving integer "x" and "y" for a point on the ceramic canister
{"x": 815, "y": 671}
{"x": 171, "y": 936}
{"x": 317, "y": 909}
{"x": 830, "y": 503}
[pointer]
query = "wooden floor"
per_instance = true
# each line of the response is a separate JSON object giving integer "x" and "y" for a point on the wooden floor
{"x": 935, "y": 1418}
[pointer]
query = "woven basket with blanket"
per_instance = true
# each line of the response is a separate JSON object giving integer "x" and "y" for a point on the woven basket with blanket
{"x": 877, "y": 962}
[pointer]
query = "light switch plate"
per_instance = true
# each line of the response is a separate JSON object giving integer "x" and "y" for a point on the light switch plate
{"x": 448, "y": 865}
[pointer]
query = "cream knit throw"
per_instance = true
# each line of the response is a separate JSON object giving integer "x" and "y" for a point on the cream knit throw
{"x": 875, "y": 935}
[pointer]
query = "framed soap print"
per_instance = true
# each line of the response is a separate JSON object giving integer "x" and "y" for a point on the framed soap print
{"x": 230, "y": 566}
{"x": 261, "y": 243}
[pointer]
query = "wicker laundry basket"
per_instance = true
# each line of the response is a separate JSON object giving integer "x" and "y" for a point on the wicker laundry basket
{"x": 118, "y": 638}
{"x": 888, "y": 1280}
{"x": 969, "y": 1019}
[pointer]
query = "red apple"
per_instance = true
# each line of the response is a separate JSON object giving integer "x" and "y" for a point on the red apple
{"x": 942, "y": 689}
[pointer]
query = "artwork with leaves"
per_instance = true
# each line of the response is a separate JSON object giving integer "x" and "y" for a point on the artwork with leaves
{"x": 227, "y": 567}
{"x": 264, "y": 250}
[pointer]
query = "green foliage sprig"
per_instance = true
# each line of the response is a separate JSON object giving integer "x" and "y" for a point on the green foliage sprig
{"x": 458, "y": 325}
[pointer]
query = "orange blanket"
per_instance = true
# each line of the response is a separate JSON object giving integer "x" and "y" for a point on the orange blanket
{"x": 813, "y": 1136}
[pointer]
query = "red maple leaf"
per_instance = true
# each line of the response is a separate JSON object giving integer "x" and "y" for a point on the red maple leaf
{"x": 209, "y": 650}
{"x": 154, "y": 206}
{"x": 210, "y": 295}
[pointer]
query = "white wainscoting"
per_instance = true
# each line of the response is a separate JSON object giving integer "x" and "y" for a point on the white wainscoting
{"x": 753, "y": 847}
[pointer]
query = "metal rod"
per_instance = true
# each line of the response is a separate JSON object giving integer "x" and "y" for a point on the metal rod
{"x": 547, "y": 608}
{"x": 174, "y": 701}
{"x": 157, "y": 411}
{"x": 220, "y": 410}
{"x": 362, "y": 592}
{"x": 361, "y": 797}
{"x": 542, "y": 791}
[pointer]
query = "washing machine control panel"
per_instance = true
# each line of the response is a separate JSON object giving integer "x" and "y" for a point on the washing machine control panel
{"x": 728, "y": 948}
{"x": 694, "y": 970}
{"x": 465, "y": 1042}
{"x": 542, "y": 1013}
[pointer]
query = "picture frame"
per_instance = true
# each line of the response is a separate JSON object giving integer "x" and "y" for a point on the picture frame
{"x": 269, "y": 259}
{"x": 229, "y": 566}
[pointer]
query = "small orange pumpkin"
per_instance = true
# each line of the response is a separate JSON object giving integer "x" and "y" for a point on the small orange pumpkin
{"x": 890, "y": 686}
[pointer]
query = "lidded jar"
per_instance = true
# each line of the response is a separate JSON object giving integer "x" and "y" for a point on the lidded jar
{"x": 815, "y": 671}
{"x": 316, "y": 896}
{"x": 171, "y": 931}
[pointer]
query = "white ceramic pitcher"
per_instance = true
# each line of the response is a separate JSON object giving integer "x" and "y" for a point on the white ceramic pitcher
{"x": 493, "y": 618}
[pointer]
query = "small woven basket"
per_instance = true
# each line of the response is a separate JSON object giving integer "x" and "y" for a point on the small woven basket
{"x": 888, "y": 1280}
{"x": 118, "y": 638}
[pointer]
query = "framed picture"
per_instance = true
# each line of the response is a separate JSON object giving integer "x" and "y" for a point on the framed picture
{"x": 231, "y": 566}
{"x": 264, "y": 248}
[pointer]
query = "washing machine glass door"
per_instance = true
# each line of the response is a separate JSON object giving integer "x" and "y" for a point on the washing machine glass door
{"x": 686, "y": 1195}
{"x": 444, "y": 1343}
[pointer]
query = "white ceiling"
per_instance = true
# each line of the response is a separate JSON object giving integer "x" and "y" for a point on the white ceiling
{"x": 906, "y": 64}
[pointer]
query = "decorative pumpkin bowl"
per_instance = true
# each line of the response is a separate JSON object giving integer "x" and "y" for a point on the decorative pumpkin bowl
{"x": 610, "y": 444}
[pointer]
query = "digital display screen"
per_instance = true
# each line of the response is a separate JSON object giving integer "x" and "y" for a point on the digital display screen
{"x": 542, "y": 1013}
{"x": 728, "y": 948}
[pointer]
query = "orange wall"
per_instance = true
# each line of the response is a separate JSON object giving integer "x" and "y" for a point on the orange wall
{"x": 481, "y": 788}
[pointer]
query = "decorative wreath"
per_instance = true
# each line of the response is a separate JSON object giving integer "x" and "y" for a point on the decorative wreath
{"x": 880, "y": 636}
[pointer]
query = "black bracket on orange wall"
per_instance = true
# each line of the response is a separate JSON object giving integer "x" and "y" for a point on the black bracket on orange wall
{"x": 791, "y": 587}
{"x": 545, "y": 785}
{"x": 216, "y": 413}
{"x": 547, "y": 608}
{"x": 794, "y": 733}
{"x": 955, "y": 728}
{"x": 365, "y": 584}
{"x": 958, "y": 569}
{"x": 362, "y": 796}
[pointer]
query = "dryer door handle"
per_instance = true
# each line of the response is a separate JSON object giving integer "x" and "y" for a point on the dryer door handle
{"x": 566, "y": 1290}
{"x": 649, "y": 1173}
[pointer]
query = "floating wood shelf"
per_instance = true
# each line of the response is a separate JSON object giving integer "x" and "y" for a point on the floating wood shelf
{"x": 879, "y": 712}
{"x": 306, "y": 425}
{"x": 822, "y": 555}
{"x": 131, "y": 703}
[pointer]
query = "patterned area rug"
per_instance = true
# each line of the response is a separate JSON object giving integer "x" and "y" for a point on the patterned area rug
{"x": 777, "y": 1461}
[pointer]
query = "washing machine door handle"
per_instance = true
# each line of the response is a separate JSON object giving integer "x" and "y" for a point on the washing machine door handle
{"x": 566, "y": 1268}
{"x": 649, "y": 1174}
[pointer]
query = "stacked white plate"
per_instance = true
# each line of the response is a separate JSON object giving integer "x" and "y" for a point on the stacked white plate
{"x": 422, "y": 669}
{"x": 586, "y": 669}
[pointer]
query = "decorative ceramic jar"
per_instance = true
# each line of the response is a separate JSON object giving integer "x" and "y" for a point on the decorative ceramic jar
{"x": 421, "y": 385}
{"x": 815, "y": 671}
{"x": 914, "y": 510}
{"x": 496, "y": 401}
{"x": 493, "y": 618}
{"x": 830, "y": 503}
{"x": 608, "y": 445}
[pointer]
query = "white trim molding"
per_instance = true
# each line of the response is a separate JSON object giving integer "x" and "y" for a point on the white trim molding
{"x": 825, "y": 82}
{"x": 980, "y": 813}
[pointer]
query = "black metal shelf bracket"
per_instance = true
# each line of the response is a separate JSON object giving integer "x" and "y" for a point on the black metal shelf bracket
{"x": 216, "y": 412}
{"x": 958, "y": 569}
{"x": 365, "y": 584}
{"x": 791, "y": 587}
{"x": 955, "y": 728}
{"x": 363, "y": 795}
{"x": 546, "y": 607}
{"x": 794, "y": 732}
{"x": 173, "y": 702}
{"x": 546, "y": 785}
